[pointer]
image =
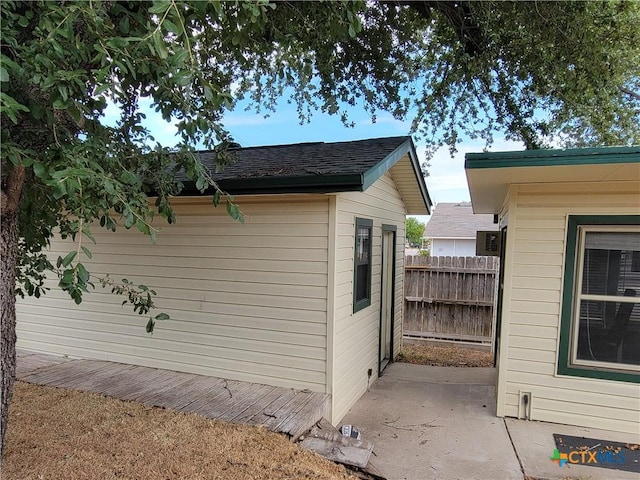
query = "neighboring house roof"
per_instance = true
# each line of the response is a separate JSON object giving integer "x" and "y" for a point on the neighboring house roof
{"x": 322, "y": 168}
{"x": 490, "y": 174}
{"x": 456, "y": 220}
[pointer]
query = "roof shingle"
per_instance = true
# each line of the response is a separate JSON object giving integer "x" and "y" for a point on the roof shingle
{"x": 303, "y": 159}
{"x": 456, "y": 220}
{"x": 319, "y": 168}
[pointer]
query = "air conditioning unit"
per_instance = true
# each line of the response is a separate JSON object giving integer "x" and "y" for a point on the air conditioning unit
{"x": 488, "y": 244}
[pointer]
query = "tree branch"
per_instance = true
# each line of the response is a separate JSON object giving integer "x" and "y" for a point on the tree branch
{"x": 458, "y": 14}
{"x": 630, "y": 92}
{"x": 12, "y": 190}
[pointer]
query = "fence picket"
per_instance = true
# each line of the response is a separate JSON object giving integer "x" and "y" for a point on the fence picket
{"x": 450, "y": 297}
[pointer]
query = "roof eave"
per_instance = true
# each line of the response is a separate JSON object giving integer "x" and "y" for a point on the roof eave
{"x": 417, "y": 170}
{"x": 542, "y": 158}
{"x": 489, "y": 175}
{"x": 377, "y": 171}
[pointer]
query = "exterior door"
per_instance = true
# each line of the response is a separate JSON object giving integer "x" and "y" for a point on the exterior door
{"x": 387, "y": 296}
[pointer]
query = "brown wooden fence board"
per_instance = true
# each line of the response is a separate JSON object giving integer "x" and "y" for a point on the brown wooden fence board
{"x": 450, "y": 296}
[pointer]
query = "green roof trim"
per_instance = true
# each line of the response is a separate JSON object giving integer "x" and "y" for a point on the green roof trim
{"x": 373, "y": 174}
{"x": 552, "y": 158}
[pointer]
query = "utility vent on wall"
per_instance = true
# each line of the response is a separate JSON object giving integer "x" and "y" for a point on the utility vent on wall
{"x": 488, "y": 244}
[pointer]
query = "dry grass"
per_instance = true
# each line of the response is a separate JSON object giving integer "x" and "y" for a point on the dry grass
{"x": 445, "y": 356}
{"x": 64, "y": 434}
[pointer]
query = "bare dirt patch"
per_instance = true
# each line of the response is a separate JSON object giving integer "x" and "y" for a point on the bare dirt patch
{"x": 448, "y": 355}
{"x": 59, "y": 433}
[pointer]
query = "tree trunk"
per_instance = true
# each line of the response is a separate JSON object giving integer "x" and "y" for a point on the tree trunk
{"x": 9, "y": 202}
{"x": 9, "y": 234}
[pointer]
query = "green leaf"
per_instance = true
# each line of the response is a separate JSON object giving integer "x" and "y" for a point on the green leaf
{"x": 10, "y": 107}
{"x": 86, "y": 251}
{"x": 172, "y": 27}
{"x": 39, "y": 169}
{"x": 143, "y": 227}
{"x": 4, "y": 75}
{"x": 109, "y": 188}
{"x": 162, "y": 316}
{"x": 216, "y": 198}
{"x": 124, "y": 25}
{"x": 179, "y": 55}
{"x": 67, "y": 279}
{"x": 150, "y": 325}
{"x": 76, "y": 294}
{"x": 128, "y": 222}
{"x": 60, "y": 189}
{"x": 128, "y": 177}
{"x": 158, "y": 43}
{"x": 66, "y": 261}
{"x": 87, "y": 233}
{"x": 83, "y": 274}
{"x": 208, "y": 93}
{"x": 201, "y": 184}
{"x": 234, "y": 212}
{"x": 102, "y": 88}
{"x": 160, "y": 6}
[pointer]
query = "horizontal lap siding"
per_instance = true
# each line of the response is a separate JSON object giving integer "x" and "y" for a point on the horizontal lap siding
{"x": 247, "y": 301}
{"x": 357, "y": 335}
{"x": 534, "y": 312}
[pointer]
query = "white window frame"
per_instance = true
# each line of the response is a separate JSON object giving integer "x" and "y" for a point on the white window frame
{"x": 579, "y": 297}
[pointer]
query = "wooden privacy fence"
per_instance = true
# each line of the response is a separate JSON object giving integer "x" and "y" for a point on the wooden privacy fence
{"x": 450, "y": 297}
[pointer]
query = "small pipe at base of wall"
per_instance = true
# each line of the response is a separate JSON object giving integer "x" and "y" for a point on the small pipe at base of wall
{"x": 524, "y": 406}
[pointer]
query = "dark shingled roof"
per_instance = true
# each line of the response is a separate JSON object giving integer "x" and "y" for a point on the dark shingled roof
{"x": 308, "y": 167}
{"x": 304, "y": 159}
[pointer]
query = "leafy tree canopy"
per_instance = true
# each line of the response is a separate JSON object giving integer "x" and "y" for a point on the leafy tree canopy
{"x": 528, "y": 70}
{"x": 414, "y": 231}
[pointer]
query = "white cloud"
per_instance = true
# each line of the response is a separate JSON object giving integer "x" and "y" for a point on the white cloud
{"x": 447, "y": 181}
{"x": 388, "y": 120}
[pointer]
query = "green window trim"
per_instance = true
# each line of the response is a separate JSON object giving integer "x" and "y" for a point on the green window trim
{"x": 361, "y": 267}
{"x": 564, "y": 366}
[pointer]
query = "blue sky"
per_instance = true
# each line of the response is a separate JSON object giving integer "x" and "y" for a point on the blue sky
{"x": 446, "y": 181}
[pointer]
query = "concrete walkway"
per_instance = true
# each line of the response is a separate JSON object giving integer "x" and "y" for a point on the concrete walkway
{"x": 440, "y": 423}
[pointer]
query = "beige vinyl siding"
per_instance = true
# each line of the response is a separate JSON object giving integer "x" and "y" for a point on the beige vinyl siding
{"x": 247, "y": 301}
{"x": 532, "y": 314}
{"x": 356, "y": 336}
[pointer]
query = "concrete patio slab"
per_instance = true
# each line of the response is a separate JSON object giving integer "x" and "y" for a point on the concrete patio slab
{"x": 534, "y": 443}
{"x": 439, "y": 423}
{"x": 435, "y": 423}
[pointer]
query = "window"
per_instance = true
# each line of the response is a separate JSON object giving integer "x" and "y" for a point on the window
{"x": 600, "y": 327}
{"x": 362, "y": 265}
